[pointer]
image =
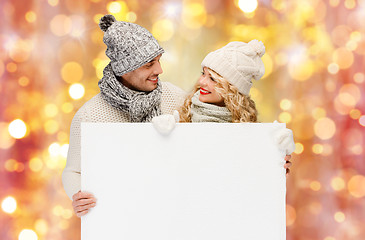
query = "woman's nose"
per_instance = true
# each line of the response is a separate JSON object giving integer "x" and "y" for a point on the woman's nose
{"x": 202, "y": 81}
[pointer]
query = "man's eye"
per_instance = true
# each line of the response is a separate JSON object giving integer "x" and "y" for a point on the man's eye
{"x": 213, "y": 79}
{"x": 203, "y": 73}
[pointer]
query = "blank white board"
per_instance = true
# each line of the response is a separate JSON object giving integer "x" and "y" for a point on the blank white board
{"x": 204, "y": 181}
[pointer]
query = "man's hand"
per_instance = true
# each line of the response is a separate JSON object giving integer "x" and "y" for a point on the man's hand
{"x": 287, "y": 164}
{"x": 82, "y": 202}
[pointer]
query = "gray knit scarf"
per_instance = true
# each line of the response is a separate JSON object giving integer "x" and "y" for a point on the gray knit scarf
{"x": 206, "y": 112}
{"x": 140, "y": 106}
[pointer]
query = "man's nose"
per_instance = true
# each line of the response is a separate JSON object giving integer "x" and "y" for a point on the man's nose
{"x": 158, "y": 69}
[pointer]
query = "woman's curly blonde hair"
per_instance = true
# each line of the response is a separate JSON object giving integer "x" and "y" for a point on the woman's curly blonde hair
{"x": 242, "y": 107}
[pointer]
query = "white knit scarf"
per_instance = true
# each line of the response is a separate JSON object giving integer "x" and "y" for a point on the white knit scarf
{"x": 140, "y": 106}
{"x": 206, "y": 112}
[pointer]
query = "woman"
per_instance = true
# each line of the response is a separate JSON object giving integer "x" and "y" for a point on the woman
{"x": 222, "y": 92}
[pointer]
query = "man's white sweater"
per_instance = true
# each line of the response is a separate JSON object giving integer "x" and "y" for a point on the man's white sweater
{"x": 98, "y": 110}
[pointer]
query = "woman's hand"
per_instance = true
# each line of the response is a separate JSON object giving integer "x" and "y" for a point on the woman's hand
{"x": 82, "y": 202}
{"x": 287, "y": 164}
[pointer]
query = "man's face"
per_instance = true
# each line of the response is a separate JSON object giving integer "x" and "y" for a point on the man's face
{"x": 143, "y": 78}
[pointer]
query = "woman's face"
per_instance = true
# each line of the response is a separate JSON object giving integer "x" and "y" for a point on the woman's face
{"x": 208, "y": 94}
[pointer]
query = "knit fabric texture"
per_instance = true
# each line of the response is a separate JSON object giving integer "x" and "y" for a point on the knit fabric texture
{"x": 205, "y": 112}
{"x": 129, "y": 46}
{"x": 98, "y": 110}
{"x": 140, "y": 106}
{"x": 238, "y": 63}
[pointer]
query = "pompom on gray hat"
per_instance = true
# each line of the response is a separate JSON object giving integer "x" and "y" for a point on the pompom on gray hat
{"x": 130, "y": 46}
{"x": 238, "y": 63}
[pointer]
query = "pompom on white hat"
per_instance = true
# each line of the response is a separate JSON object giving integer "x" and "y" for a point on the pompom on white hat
{"x": 238, "y": 63}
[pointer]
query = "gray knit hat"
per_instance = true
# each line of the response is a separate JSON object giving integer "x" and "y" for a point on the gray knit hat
{"x": 130, "y": 46}
{"x": 238, "y": 63}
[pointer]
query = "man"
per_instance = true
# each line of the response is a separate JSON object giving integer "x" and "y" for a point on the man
{"x": 130, "y": 91}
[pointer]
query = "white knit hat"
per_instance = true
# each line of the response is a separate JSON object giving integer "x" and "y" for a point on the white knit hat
{"x": 238, "y": 63}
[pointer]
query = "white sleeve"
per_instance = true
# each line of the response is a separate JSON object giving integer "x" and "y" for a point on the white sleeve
{"x": 71, "y": 176}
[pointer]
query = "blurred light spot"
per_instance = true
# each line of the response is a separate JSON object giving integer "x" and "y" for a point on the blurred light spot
{"x": 285, "y": 104}
{"x": 27, "y": 234}
{"x": 350, "y": 4}
{"x": 355, "y": 114}
{"x": 114, "y": 7}
{"x": 340, "y": 107}
{"x": 327, "y": 150}
{"x": 67, "y": 213}
{"x": 23, "y": 81}
{"x": 19, "y": 167}
{"x": 291, "y": 215}
{"x": 317, "y": 148}
{"x": 54, "y": 149}
{"x": 334, "y": 3}
{"x": 11, "y": 165}
{"x": 356, "y": 186}
{"x": 247, "y": 6}
{"x": 131, "y": 17}
{"x": 172, "y": 10}
{"x": 163, "y": 30}
{"x": 9, "y": 205}
{"x": 349, "y": 95}
{"x": 301, "y": 71}
{"x": 299, "y": 148}
{"x": 318, "y": 113}
{"x": 35, "y": 164}
{"x": 30, "y": 16}
{"x": 281, "y": 58}
{"x": 61, "y": 25}
{"x": 53, "y": 3}
{"x": 362, "y": 120}
{"x": 343, "y": 57}
{"x": 341, "y": 34}
{"x": 51, "y": 126}
{"x": 339, "y": 217}
{"x": 267, "y": 60}
{"x": 72, "y": 72}
{"x": 325, "y": 128}
{"x": 51, "y": 110}
{"x": 11, "y": 67}
{"x": 285, "y": 117}
{"x": 194, "y": 15}
{"x": 279, "y": 5}
{"x": 41, "y": 226}
{"x": 64, "y": 150}
{"x": 97, "y": 17}
{"x": 315, "y": 186}
{"x": 6, "y": 141}
{"x": 358, "y": 77}
{"x": 76, "y": 91}
{"x": 17, "y": 129}
{"x": 333, "y": 68}
{"x": 337, "y": 183}
{"x": 57, "y": 210}
{"x": 21, "y": 50}
{"x": 356, "y": 36}
{"x": 67, "y": 107}
{"x": 351, "y": 45}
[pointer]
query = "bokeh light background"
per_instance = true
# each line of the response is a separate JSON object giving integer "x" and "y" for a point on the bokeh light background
{"x": 52, "y": 56}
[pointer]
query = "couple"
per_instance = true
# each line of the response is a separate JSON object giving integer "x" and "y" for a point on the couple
{"x": 130, "y": 91}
